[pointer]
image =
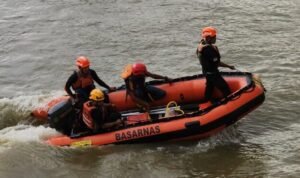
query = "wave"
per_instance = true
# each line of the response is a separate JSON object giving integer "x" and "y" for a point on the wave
{"x": 27, "y": 133}
{"x": 17, "y": 109}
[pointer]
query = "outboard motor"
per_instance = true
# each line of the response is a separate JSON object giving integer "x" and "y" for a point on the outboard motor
{"x": 61, "y": 116}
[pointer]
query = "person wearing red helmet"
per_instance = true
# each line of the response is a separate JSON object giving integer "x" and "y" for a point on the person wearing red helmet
{"x": 82, "y": 80}
{"x": 209, "y": 57}
{"x": 134, "y": 76}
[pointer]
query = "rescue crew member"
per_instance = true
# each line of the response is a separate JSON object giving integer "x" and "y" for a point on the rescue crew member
{"x": 97, "y": 115}
{"x": 82, "y": 80}
{"x": 209, "y": 57}
{"x": 142, "y": 94}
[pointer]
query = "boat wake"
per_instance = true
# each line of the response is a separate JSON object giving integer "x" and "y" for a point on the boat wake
{"x": 27, "y": 101}
{"x": 17, "y": 110}
{"x": 16, "y": 124}
{"x": 27, "y": 133}
{"x": 229, "y": 136}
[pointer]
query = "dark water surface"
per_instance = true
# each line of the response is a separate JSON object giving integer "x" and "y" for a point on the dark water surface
{"x": 41, "y": 38}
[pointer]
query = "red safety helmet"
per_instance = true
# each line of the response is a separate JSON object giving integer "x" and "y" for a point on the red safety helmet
{"x": 82, "y": 62}
{"x": 139, "y": 69}
{"x": 209, "y": 31}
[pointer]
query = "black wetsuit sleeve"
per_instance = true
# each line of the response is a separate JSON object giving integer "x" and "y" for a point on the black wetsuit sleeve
{"x": 72, "y": 79}
{"x": 98, "y": 80}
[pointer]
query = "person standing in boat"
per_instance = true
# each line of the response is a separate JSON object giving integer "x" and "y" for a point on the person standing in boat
{"x": 134, "y": 76}
{"x": 82, "y": 81}
{"x": 98, "y": 116}
{"x": 209, "y": 57}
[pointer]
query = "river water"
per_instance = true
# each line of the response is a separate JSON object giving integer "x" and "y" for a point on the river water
{"x": 41, "y": 38}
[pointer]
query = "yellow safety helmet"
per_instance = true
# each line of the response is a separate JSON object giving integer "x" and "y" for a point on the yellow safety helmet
{"x": 97, "y": 95}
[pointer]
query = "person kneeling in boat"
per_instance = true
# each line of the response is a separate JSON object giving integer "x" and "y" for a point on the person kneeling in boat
{"x": 99, "y": 116}
{"x": 209, "y": 57}
{"x": 82, "y": 81}
{"x": 134, "y": 76}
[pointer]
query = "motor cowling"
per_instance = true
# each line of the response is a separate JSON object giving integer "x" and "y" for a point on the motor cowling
{"x": 61, "y": 116}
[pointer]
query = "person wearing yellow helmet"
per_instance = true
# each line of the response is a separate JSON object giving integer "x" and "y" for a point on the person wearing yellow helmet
{"x": 97, "y": 115}
{"x": 82, "y": 80}
{"x": 209, "y": 57}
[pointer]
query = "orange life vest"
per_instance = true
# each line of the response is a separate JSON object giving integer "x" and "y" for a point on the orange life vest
{"x": 83, "y": 81}
{"x": 87, "y": 114}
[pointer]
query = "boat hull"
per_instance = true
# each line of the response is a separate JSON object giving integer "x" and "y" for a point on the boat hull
{"x": 248, "y": 94}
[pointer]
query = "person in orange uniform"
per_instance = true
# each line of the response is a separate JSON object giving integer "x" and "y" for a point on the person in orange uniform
{"x": 97, "y": 115}
{"x": 134, "y": 76}
{"x": 209, "y": 57}
{"x": 82, "y": 80}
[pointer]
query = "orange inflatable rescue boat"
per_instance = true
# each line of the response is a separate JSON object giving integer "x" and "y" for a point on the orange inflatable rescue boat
{"x": 180, "y": 115}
